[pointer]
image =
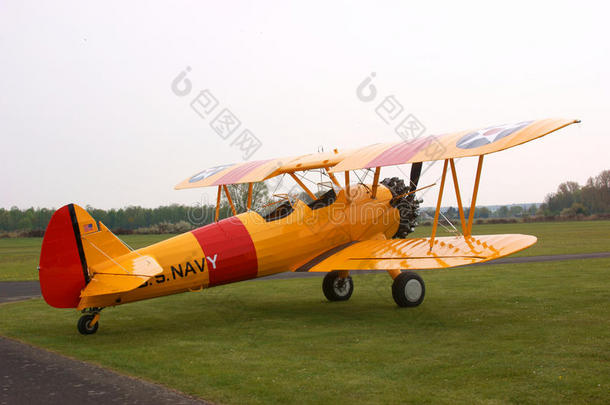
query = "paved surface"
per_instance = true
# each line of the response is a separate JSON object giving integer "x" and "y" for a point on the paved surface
{"x": 29, "y": 375}
{"x": 18, "y": 290}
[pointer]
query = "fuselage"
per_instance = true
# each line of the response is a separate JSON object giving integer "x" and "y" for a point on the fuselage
{"x": 248, "y": 246}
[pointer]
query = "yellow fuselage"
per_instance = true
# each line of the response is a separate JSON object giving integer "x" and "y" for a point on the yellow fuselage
{"x": 246, "y": 246}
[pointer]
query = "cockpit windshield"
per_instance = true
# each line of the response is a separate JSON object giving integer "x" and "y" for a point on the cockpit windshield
{"x": 280, "y": 210}
{"x": 285, "y": 205}
{"x": 324, "y": 200}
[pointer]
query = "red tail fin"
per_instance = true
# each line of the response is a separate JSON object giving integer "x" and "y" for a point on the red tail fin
{"x": 63, "y": 267}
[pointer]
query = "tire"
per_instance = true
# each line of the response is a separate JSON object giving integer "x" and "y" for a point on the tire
{"x": 337, "y": 288}
{"x": 408, "y": 289}
{"x": 84, "y": 325}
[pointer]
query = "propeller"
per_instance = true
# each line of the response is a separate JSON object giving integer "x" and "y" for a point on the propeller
{"x": 415, "y": 173}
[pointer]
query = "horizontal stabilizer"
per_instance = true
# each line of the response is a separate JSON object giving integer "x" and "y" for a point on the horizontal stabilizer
{"x": 121, "y": 274}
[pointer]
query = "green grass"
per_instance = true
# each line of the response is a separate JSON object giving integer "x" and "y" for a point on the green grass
{"x": 526, "y": 333}
{"x": 19, "y": 256}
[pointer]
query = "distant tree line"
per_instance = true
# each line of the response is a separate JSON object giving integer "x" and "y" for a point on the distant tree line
{"x": 513, "y": 211}
{"x": 572, "y": 199}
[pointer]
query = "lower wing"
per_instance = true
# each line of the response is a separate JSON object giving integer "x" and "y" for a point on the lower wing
{"x": 402, "y": 254}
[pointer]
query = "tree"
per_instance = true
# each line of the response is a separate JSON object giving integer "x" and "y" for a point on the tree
{"x": 502, "y": 212}
{"x": 451, "y": 213}
{"x": 482, "y": 212}
{"x": 532, "y": 210}
{"x": 239, "y": 194}
{"x": 575, "y": 209}
{"x": 516, "y": 211}
{"x": 567, "y": 194}
{"x": 594, "y": 197}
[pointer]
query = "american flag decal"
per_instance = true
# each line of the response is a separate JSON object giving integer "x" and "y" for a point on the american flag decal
{"x": 87, "y": 228}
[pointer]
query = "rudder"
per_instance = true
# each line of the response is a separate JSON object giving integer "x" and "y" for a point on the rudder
{"x": 72, "y": 244}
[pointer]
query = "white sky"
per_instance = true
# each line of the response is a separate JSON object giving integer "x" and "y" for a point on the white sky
{"x": 87, "y": 114}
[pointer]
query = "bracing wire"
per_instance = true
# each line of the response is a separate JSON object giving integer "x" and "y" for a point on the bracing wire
{"x": 107, "y": 256}
{"x": 455, "y": 230}
{"x": 278, "y": 183}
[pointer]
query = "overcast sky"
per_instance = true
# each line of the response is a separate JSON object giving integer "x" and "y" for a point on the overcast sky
{"x": 88, "y": 115}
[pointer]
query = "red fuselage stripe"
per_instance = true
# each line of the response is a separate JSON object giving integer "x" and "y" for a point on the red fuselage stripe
{"x": 229, "y": 251}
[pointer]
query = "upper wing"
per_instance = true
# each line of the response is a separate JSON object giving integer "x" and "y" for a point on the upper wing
{"x": 247, "y": 172}
{"x": 251, "y": 172}
{"x": 450, "y": 145}
{"x": 401, "y": 254}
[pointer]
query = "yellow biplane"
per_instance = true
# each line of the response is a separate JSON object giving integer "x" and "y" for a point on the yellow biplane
{"x": 352, "y": 226}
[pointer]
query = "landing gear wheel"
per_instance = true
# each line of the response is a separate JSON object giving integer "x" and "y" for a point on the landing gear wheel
{"x": 408, "y": 289}
{"x": 84, "y": 324}
{"x": 337, "y": 288}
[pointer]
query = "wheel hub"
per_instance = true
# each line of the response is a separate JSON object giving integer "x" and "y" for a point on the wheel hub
{"x": 341, "y": 287}
{"x": 413, "y": 290}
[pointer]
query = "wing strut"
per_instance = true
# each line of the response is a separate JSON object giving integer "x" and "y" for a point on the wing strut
{"x": 217, "y": 204}
{"x": 333, "y": 178}
{"x": 375, "y": 182}
{"x": 474, "y": 197}
{"x": 224, "y": 186}
{"x": 250, "y": 187}
{"x": 347, "y": 185}
{"x": 303, "y": 186}
{"x": 457, "y": 195}
{"x": 438, "y": 204}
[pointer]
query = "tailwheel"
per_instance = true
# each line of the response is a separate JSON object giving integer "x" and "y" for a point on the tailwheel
{"x": 408, "y": 289}
{"x": 337, "y": 286}
{"x": 88, "y": 323}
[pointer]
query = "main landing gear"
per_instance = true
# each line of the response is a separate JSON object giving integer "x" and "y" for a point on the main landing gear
{"x": 408, "y": 288}
{"x": 89, "y": 322}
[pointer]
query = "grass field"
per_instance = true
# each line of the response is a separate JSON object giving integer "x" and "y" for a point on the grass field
{"x": 525, "y": 333}
{"x": 19, "y": 256}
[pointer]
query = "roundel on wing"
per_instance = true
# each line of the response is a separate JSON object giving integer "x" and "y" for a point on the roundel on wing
{"x": 489, "y": 135}
{"x": 208, "y": 172}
